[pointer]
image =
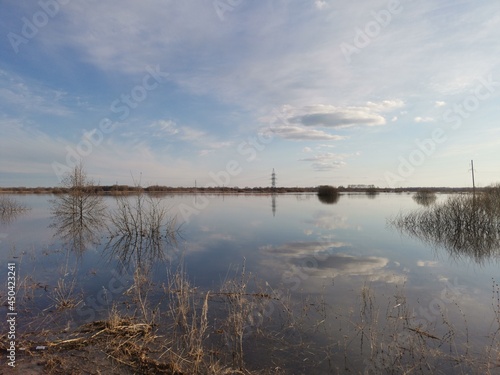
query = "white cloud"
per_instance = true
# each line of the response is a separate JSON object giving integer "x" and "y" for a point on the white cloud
{"x": 326, "y": 161}
{"x": 419, "y": 119}
{"x": 259, "y": 58}
{"x": 30, "y": 96}
{"x": 321, "y": 4}
{"x": 164, "y": 128}
{"x": 299, "y": 123}
{"x": 27, "y": 150}
{"x": 328, "y": 220}
{"x": 190, "y": 134}
{"x": 330, "y": 116}
{"x": 302, "y": 249}
{"x": 169, "y": 130}
{"x": 318, "y": 260}
{"x": 298, "y": 133}
{"x": 386, "y": 105}
{"x": 427, "y": 263}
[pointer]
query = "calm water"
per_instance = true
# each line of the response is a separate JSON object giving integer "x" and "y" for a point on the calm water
{"x": 297, "y": 244}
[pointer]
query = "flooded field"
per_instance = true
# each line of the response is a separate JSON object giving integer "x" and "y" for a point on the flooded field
{"x": 281, "y": 284}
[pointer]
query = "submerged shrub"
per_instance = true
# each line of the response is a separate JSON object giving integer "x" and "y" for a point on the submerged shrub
{"x": 465, "y": 224}
{"x": 328, "y": 194}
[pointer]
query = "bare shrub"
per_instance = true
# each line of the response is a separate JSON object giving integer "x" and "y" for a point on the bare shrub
{"x": 79, "y": 214}
{"x": 141, "y": 229}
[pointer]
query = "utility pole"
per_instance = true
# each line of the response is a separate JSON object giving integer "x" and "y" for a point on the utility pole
{"x": 473, "y": 183}
{"x": 273, "y": 180}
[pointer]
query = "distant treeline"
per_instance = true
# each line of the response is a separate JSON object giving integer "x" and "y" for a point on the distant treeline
{"x": 126, "y": 189}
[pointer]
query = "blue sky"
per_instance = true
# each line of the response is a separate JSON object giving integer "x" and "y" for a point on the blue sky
{"x": 221, "y": 92}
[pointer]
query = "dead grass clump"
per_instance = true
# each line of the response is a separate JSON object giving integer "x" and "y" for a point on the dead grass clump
{"x": 185, "y": 344}
{"x": 63, "y": 295}
{"x": 238, "y": 309}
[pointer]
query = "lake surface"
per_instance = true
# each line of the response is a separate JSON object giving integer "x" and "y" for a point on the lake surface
{"x": 322, "y": 256}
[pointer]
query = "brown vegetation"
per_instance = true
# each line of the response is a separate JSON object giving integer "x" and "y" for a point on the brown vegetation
{"x": 465, "y": 224}
{"x": 204, "y": 333}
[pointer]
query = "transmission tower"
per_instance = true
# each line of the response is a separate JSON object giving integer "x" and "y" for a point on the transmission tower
{"x": 273, "y": 180}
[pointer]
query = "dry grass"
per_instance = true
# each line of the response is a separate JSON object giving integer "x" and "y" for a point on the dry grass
{"x": 393, "y": 339}
{"x": 64, "y": 296}
{"x": 178, "y": 336}
{"x": 465, "y": 225}
{"x": 194, "y": 332}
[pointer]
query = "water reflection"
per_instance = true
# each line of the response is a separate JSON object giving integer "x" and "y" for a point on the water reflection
{"x": 425, "y": 198}
{"x": 328, "y": 199}
{"x": 141, "y": 231}
{"x": 465, "y": 225}
{"x": 78, "y": 218}
{"x": 10, "y": 209}
{"x": 301, "y": 261}
{"x": 329, "y": 263}
{"x": 328, "y": 220}
{"x": 328, "y": 194}
{"x": 273, "y": 204}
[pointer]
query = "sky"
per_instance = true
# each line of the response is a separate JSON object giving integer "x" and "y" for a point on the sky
{"x": 220, "y": 92}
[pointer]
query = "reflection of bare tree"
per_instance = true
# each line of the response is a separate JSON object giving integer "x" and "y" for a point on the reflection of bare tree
{"x": 464, "y": 225}
{"x": 10, "y": 208}
{"x": 425, "y": 197}
{"x": 78, "y": 235}
{"x": 141, "y": 230}
{"x": 78, "y": 215}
